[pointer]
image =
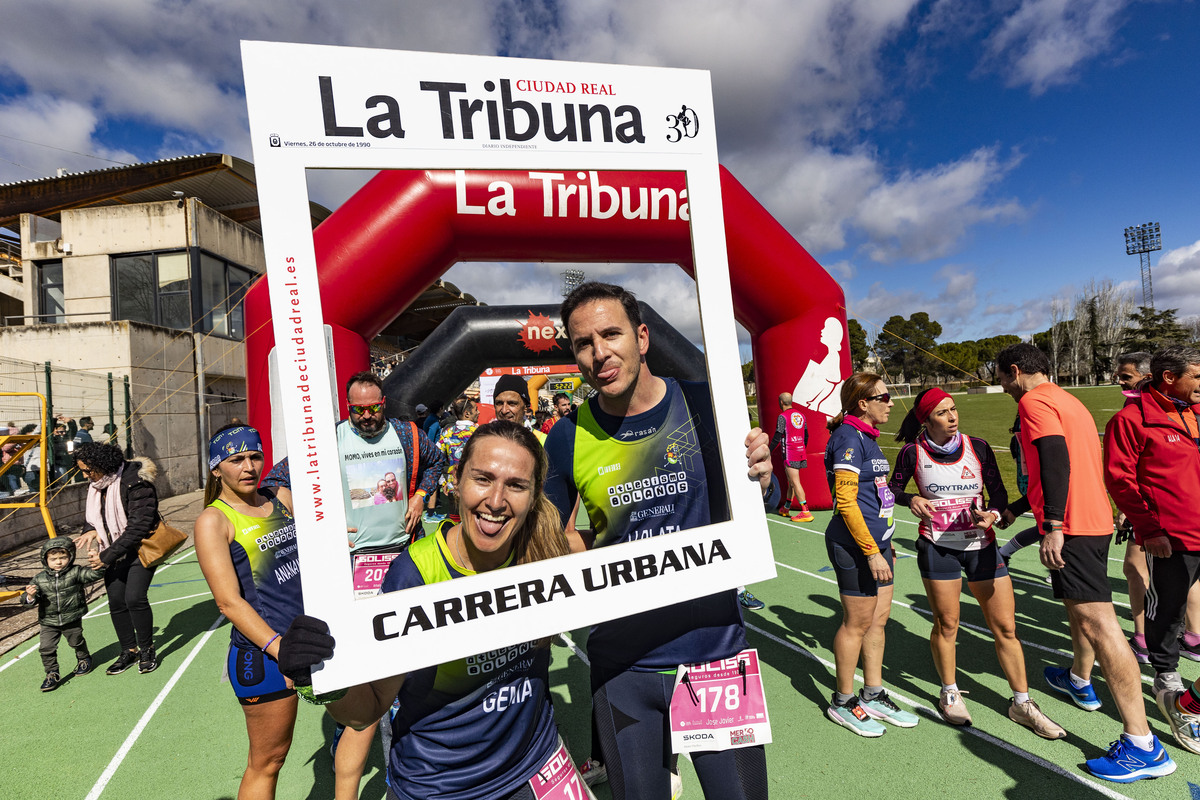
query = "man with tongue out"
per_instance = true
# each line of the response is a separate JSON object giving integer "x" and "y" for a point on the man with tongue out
{"x": 636, "y": 428}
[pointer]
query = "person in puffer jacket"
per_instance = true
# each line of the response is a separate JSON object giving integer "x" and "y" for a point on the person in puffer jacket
{"x": 58, "y": 591}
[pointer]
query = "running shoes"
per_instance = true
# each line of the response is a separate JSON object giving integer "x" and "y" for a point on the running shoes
{"x": 804, "y": 516}
{"x": 1059, "y": 679}
{"x": 750, "y": 601}
{"x": 1189, "y": 651}
{"x": 883, "y": 708}
{"x": 854, "y": 717}
{"x": 1185, "y": 727}
{"x": 953, "y": 708}
{"x": 593, "y": 772}
{"x": 1137, "y": 643}
{"x": 147, "y": 660}
{"x": 1126, "y": 763}
{"x": 1032, "y": 717}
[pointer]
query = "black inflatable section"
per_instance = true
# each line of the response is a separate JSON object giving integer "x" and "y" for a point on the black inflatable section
{"x": 473, "y": 338}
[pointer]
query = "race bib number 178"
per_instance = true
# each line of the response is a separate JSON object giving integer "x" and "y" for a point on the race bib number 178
{"x": 719, "y": 705}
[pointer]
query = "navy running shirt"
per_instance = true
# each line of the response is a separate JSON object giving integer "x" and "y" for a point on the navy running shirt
{"x": 474, "y": 728}
{"x": 851, "y": 449}
{"x": 658, "y": 472}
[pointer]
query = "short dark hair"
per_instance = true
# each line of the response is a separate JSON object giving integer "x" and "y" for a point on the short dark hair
{"x": 364, "y": 377}
{"x": 85, "y": 421}
{"x": 563, "y": 395}
{"x": 1027, "y": 358}
{"x": 107, "y": 458}
{"x": 1176, "y": 358}
{"x": 1139, "y": 358}
{"x": 595, "y": 290}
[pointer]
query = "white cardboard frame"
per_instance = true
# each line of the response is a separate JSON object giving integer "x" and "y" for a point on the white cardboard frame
{"x": 288, "y": 134}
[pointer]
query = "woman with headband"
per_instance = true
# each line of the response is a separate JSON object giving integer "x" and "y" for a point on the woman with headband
{"x": 246, "y": 544}
{"x": 956, "y": 538}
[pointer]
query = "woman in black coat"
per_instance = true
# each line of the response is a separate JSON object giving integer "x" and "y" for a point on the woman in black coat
{"x": 122, "y": 510}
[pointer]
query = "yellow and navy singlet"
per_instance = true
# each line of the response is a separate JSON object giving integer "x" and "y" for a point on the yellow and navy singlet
{"x": 473, "y": 728}
{"x": 640, "y": 476}
{"x": 267, "y": 566}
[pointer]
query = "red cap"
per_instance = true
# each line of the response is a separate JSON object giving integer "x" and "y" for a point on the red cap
{"x": 929, "y": 401}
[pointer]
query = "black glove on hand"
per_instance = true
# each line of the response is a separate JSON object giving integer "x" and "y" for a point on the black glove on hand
{"x": 306, "y": 644}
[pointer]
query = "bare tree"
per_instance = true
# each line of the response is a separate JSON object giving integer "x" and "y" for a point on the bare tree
{"x": 1059, "y": 307}
{"x": 1111, "y": 309}
{"x": 1078, "y": 357}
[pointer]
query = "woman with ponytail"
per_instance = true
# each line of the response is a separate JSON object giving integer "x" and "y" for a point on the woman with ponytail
{"x": 859, "y": 543}
{"x": 449, "y": 739}
{"x": 246, "y": 545}
{"x": 956, "y": 538}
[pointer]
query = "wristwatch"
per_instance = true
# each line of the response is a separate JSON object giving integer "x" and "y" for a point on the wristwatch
{"x": 1051, "y": 525}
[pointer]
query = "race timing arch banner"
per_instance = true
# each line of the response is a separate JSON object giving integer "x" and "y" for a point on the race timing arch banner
{"x": 559, "y": 136}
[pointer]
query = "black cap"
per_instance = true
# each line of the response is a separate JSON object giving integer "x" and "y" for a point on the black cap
{"x": 511, "y": 383}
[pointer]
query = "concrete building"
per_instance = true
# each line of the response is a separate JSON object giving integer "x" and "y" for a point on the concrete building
{"x": 138, "y": 271}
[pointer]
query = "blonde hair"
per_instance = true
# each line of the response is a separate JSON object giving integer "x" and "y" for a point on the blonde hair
{"x": 542, "y": 535}
{"x": 858, "y": 386}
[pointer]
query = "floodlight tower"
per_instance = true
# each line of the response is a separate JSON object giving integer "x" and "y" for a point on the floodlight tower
{"x": 571, "y": 279}
{"x": 1144, "y": 240}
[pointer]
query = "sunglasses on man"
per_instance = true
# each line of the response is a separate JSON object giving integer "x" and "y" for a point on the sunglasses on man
{"x": 370, "y": 408}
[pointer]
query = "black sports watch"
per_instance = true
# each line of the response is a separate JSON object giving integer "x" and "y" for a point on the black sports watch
{"x": 1048, "y": 525}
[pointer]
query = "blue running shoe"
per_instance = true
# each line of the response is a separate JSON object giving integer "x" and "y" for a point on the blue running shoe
{"x": 1059, "y": 679}
{"x": 750, "y": 601}
{"x": 883, "y": 708}
{"x": 1126, "y": 763}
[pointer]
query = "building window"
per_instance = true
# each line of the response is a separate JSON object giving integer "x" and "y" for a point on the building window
{"x": 158, "y": 288}
{"x": 52, "y": 302}
{"x": 153, "y": 288}
{"x": 222, "y": 287}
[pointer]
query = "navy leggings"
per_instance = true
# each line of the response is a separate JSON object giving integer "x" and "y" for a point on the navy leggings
{"x": 631, "y": 711}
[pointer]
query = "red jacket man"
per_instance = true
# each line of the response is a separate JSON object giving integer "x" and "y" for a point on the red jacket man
{"x": 1152, "y": 471}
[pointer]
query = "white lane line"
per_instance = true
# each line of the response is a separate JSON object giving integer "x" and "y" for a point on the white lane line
{"x": 187, "y": 551}
{"x": 130, "y": 740}
{"x": 972, "y": 730}
{"x": 569, "y": 642}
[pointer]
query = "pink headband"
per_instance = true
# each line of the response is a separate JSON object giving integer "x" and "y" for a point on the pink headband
{"x": 929, "y": 402}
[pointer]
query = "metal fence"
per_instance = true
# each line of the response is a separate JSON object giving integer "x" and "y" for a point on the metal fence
{"x": 71, "y": 395}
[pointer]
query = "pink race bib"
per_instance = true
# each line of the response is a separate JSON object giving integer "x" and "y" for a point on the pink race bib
{"x": 952, "y": 520}
{"x": 369, "y": 569}
{"x": 720, "y": 705}
{"x": 558, "y": 779}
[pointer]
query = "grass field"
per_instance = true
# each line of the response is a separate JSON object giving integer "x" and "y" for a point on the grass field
{"x": 178, "y": 731}
{"x": 990, "y": 416}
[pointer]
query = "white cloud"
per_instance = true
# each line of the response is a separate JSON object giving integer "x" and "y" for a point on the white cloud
{"x": 923, "y": 215}
{"x": 29, "y": 123}
{"x": 1043, "y": 43}
{"x": 1177, "y": 280}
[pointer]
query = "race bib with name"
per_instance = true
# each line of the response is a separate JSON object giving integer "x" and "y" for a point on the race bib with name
{"x": 952, "y": 519}
{"x": 719, "y": 705}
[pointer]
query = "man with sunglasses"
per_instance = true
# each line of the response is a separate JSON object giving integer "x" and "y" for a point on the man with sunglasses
{"x": 370, "y": 445}
{"x": 1068, "y": 500}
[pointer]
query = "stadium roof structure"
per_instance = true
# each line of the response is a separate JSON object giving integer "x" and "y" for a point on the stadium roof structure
{"x": 222, "y": 182}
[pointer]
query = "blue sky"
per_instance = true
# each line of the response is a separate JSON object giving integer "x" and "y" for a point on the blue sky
{"x": 972, "y": 159}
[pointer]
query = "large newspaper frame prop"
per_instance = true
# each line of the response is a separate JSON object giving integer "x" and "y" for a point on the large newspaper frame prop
{"x": 377, "y": 637}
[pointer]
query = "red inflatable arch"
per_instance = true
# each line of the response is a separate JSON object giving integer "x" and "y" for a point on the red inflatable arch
{"x": 403, "y": 229}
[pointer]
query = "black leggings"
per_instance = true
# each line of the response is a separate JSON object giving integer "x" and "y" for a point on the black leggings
{"x": 1171, "y": 579}
{"x": 631, "y": 712}
{"x": 128, "y": 584}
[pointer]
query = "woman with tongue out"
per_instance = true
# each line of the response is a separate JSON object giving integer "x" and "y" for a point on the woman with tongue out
{"x": 478, "y": 727}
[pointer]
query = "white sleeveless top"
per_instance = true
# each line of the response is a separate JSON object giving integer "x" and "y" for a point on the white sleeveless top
{"x": 953, "y": 489}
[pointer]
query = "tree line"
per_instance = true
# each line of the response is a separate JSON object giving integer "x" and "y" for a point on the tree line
{"x": 1086, "y": 334}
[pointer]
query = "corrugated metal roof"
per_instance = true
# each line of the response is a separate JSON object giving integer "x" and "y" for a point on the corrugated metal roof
{"x": 222, "y": 182}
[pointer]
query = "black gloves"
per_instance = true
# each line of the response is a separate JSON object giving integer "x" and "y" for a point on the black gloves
{"x": 306, "y": 644}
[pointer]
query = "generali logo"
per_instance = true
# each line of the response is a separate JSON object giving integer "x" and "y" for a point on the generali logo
{"x": 539, "y": 333}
